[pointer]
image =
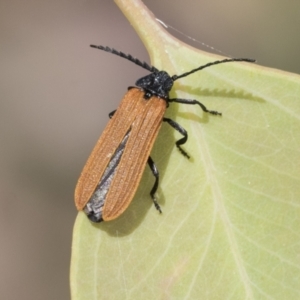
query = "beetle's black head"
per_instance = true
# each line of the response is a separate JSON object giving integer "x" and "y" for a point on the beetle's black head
{"x": 157, "y": 83}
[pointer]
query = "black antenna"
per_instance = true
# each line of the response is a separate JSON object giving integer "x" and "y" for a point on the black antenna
{"x": 127, "y": 56}
{"x": 175, "y": 77}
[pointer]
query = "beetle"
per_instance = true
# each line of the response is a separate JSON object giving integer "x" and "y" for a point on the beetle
{"x": 110, "y": 178}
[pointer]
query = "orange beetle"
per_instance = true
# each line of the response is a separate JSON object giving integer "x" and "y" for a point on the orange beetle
{"x": 110, "y": 178}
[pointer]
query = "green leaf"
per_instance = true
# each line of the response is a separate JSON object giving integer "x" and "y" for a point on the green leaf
{"x": 230, "y": 224}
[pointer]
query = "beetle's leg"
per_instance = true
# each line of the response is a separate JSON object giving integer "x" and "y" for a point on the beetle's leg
{"x": 155, "y": 186}
{"x": 195, "y": 102}
{"x": 112, "y": 113}
{"x": 181, "y": 130}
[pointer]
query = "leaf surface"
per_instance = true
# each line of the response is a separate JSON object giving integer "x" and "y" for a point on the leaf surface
{"x": 230, "y": 224}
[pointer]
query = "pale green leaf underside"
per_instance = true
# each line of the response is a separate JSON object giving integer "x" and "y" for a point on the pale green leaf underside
{"x": 230, "y": 224}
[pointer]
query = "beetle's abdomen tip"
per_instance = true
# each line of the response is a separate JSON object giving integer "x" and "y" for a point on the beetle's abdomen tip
{"x": 95, "y": 218}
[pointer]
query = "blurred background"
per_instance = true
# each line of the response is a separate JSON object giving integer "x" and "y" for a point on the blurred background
{"x": 56, "y": 93}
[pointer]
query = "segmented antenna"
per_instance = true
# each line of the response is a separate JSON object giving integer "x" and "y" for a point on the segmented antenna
{"x": 175, "y": 77}
{"x": 127, "y": 56}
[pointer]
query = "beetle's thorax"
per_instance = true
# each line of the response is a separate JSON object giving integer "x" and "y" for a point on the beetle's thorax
{"x": 158, "y": 84}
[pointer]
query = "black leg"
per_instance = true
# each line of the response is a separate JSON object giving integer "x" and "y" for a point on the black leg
{"x": 195, "y": 102}
{"x": 155, "y": 186}
{"x": 181, "y": 130}
{"x": 112, "y": 113}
